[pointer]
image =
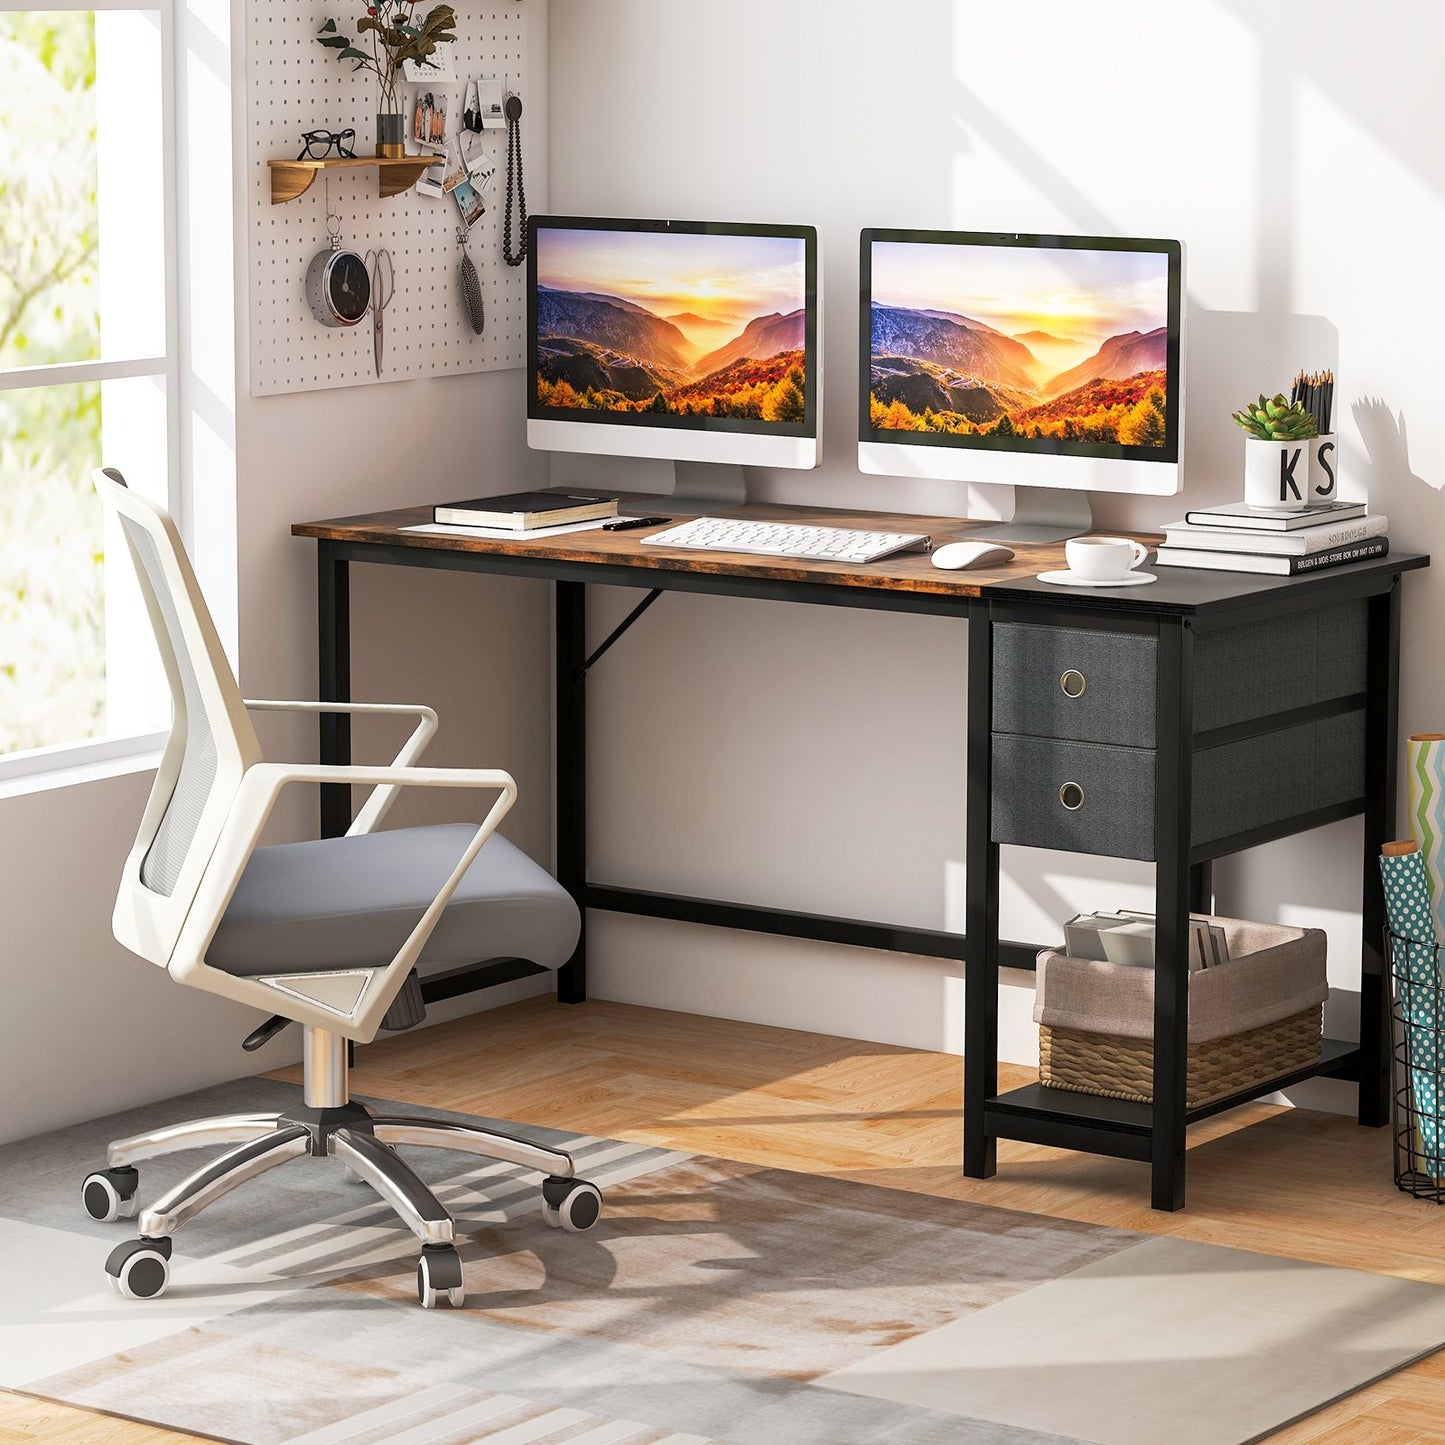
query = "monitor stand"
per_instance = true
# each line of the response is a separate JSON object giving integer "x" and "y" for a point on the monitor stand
{"x": 1041, "y": 514}
{"x": 702, "y": 487}
{"x": 684, "y": 489}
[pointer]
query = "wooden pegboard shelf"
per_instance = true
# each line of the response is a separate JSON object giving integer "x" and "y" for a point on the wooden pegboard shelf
{"x": 290, "y": 179}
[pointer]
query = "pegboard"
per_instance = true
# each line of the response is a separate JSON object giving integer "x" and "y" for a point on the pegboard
{"x": 296, "y": 85}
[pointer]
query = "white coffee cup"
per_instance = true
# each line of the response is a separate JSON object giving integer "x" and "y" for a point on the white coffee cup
{"x": 1104, "y": 559}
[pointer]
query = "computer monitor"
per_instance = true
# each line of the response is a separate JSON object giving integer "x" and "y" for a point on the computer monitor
{"x": 1047, "y": 362}
{"x": 694, "y": 342}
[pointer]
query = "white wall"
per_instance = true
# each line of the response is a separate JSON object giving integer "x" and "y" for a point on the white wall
{"x": 815, "y": 759}
{"x": 89, "y": 1028}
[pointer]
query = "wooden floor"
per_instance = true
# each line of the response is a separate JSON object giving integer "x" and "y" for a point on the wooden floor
{"x": 1287, "y": 1182}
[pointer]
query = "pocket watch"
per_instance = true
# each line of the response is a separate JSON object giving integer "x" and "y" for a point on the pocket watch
{"x": 337, "y": 284}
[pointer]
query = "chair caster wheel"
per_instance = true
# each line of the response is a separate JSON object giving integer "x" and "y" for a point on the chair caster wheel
{"x": 439, "y": 1277}
{"x": 140, "y": 1268}
{"x": 110, "y": 1194}
{"x": 570, "y": 1204}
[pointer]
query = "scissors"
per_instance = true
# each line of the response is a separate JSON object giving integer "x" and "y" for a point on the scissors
{"x": 383, "y": 288}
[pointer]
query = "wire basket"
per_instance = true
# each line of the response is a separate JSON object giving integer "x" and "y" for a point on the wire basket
{"x": 1417, "y": 1064}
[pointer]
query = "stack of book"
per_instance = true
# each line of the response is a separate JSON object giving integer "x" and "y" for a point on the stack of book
{"x": 1237, "y": 538}
{"x": 1127, "y": 936}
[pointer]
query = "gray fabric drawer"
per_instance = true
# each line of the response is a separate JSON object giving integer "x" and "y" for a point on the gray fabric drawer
{"x": 1250, "y": 783}
{"x": 1284, "y": 662}
{"x": 1116, "y": 817}
{"x": 1339, "y": 759}
{"x": 1237, "y": 787}
{"x": 1343, "y": 646}
{"x": 1116, "y": 671}
{"x": 1258, "y": 781}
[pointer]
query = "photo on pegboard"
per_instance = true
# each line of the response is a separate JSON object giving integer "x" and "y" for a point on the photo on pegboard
{"x": 429, "y": 119}
{"x": 454, "y": 168}
{"x": 429, "y": 183}
{"x": 482, "y": 106}
{"x": 481, "y": 168}
{"x": 469, "y": 203}
{"x": 471, "y": 195}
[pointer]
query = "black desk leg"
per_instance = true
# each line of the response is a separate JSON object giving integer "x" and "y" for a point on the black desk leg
{"x": 1381, "y": 760}
{"x": 980, "y": 944}
{"x": 571, "y": 776}
{"x": 1201, "y": 888}
{"x": 1172, "y": 887}
{"x": 333, "y": 639}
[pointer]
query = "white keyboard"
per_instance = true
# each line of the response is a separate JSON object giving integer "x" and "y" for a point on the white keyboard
{"x": 783, "y": 539}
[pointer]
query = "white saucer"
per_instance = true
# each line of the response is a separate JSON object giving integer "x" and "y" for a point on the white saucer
{"x": 1072, "y": 579}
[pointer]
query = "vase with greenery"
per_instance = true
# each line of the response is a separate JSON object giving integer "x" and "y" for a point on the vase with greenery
{"x": 396, "y": 35}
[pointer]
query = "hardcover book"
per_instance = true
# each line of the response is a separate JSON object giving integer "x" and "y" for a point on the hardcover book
{"x": 1238, "y": 514}
{"x": 1272, "y": 566}
{"x": 1130, "y": 943}
{"x": 1083, "y": 935}
{"x": 1279, "y": 544}
{"x": 1208, "y": 945}
{"x": 522, "y": 511}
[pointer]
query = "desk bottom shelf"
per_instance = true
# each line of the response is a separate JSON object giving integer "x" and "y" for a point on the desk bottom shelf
{"x": 1121, "y": 1128}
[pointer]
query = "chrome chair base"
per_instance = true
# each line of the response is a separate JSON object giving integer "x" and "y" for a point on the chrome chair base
{"x": 329, "y": 1124}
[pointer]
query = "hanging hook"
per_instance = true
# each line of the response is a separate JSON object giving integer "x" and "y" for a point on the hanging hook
{"x": 333, "y": 220}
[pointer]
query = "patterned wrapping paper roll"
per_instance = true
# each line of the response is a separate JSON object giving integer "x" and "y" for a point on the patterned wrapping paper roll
{"x": 1410, "y": 916}
{"x": 1425, "y": 768}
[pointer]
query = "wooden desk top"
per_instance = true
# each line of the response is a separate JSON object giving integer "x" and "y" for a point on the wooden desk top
{"x": 1177, "y": 591}
{"x": 905, "y": 572}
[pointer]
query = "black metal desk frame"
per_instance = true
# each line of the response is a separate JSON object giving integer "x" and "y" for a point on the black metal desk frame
{"x": 1183, "y": 883}
{"x": 1153, "y": 1133}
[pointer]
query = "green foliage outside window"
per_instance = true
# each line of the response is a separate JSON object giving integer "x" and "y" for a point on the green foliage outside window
{"x": 52, "y": 640}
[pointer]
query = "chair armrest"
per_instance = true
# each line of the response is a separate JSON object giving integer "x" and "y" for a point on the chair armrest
{"x": 255, "y": 799}
{"x": 275, "y": 776}
{"x": 411, "y": 709}
{"x": 378, "y": 805}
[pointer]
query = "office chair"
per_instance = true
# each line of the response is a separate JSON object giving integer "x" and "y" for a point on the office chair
{"x": 329, "y": 934}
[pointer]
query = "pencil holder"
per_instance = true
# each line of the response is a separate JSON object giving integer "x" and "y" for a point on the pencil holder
{"x": 1416, "y": 1065}
{"x": 1322, "y": 469}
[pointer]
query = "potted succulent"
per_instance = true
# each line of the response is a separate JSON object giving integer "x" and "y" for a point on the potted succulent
{"x": 1276, "y": 454}
{"x": 396, "y": 36}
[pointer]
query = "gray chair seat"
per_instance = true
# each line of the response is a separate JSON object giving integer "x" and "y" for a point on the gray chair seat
{"x": 340, "y": 903}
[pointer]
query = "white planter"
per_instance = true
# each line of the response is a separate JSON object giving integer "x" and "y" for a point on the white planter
{"x": 1277, "y": 475}
{"x": 1324, "y": 473}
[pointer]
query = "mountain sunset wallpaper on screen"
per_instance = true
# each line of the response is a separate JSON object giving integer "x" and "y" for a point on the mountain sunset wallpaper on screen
{"x": 674, "y": 324}
{"x": 1023, "y": 342}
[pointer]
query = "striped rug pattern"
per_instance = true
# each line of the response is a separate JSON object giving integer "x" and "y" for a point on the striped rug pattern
{"x": 445, "y": 1412}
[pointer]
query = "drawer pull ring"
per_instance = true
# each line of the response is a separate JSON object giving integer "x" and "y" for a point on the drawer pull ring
{"x": 1073, "y": 683}
{"x": 1071, "y": 795}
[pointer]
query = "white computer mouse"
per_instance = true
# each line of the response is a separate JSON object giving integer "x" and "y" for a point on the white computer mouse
{"x": 957, "y": 555}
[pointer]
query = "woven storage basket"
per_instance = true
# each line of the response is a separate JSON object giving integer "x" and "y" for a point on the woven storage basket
{"x": 1122, "y": 1068}
{"x": 1252, "y": 1019}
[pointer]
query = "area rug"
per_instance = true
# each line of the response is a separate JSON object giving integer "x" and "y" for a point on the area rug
{"x": 716, "y": 1302}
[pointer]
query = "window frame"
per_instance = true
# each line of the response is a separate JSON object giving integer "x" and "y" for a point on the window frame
{"x": 85, "y": 755}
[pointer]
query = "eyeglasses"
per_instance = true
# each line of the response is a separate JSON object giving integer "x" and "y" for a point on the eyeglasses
{"x": 319, "y": 143}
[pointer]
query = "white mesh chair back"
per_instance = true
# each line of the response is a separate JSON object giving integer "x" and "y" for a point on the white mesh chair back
{"x": 211, "y": 742}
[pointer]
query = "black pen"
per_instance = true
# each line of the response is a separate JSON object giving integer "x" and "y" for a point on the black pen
{"x": 626, "y": 524}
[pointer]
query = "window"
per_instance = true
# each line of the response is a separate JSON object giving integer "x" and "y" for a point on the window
{"x": 87, "y": 368}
